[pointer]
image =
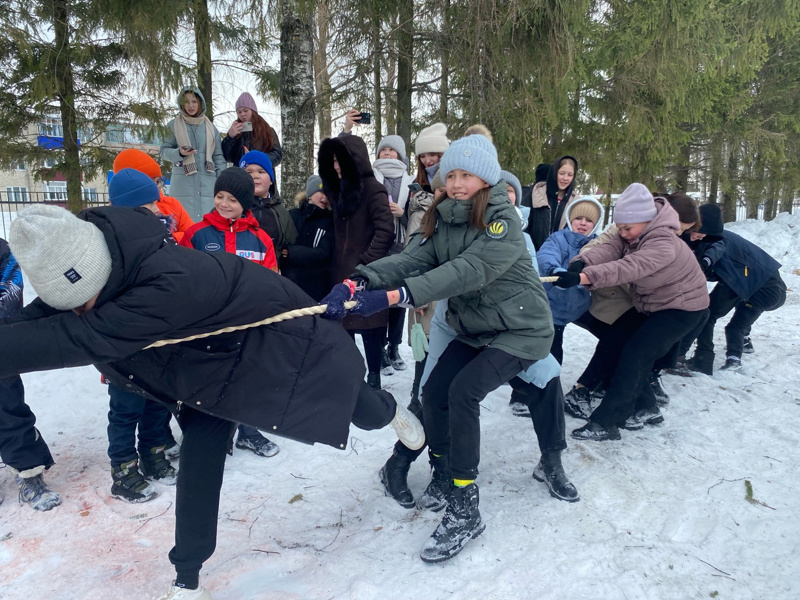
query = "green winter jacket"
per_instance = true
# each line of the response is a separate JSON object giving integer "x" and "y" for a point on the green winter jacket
{"x": 494, "y": 296}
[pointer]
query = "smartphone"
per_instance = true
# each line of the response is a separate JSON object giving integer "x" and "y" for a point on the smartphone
{"x": 187, "y": 148}
{"x": 415, "y": 187}
{"x": 247, "y": 126}
{"x": 366, "y": 118}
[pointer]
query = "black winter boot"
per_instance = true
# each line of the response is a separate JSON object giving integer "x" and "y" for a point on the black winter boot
{"x": 155, "y": 466}
{"x": 662, "y": 398}
{"x": 681, "y": 369}
{"x": 596, "y": 433}
{"x": 374, "y": 380}
{"x": 577, "y": 402}
{"x": 394, "y": 477}
{"x": 435, "y": 496}
{"x": 129, "y": 485}
{"x": 702, "y": 361}
{"x": 748, "y": 346}
{"x": 550, "y": 472}
{"x": 394, "y": 357}
{"x": 461, "y": 523}
{"x": 386, "y": 363}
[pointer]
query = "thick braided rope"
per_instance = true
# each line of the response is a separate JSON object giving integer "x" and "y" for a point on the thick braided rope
{"x": 292, "y": 314}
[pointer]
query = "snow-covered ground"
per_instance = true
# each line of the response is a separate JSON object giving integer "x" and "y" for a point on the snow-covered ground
{"x": 663, "y": 514}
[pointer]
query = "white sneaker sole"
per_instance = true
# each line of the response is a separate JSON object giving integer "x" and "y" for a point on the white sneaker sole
{"x": 408, "y": 428}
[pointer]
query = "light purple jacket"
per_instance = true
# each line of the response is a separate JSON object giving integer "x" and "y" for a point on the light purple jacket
{"x": 660, "y": 267}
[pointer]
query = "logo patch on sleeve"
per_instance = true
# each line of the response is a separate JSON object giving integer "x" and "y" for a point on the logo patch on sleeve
{"x": 73, "y": 276}
{"x": 497, "y": 229}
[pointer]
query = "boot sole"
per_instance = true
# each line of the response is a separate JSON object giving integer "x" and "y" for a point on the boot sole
{"x": 553, "y": 493}
{"x": 439, "y": 559}
{"x": 384, "y": 481}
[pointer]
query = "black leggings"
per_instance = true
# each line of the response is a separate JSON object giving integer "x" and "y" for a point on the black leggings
{"x": 374, "y": 341}
{"x": 206, "y": 440}
{"x": 630, "y": 386}
{"x": 451, "y": 401}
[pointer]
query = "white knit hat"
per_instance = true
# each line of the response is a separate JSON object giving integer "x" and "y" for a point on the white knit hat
{"x": 432, "y": 139}
{"x": 66, "y": 259}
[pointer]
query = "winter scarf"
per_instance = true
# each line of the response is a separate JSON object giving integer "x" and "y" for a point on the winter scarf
{"x": 182, "y": 136}
{"x": 392, "y": 170}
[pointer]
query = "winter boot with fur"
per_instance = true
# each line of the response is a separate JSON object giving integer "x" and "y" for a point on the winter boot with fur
{"x": 33, "y": 490}
{"x": 658, "y": 389}
{"x": 461, "y": 523}
{"x": 550, "y": 472}
{"x": 408, "y": 428}
{"x": 129, "y": 485}
{"x": 596, "y": 433}
{"x": 436, "y": 495}
{"x": 178, "y": 593}
{"x": 156, "y": 467}
{"x": 577, "y": 402}
{"x": 394, "y": 477}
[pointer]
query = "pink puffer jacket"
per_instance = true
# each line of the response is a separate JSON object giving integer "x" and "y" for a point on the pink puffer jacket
{"x": 660, "y": 267}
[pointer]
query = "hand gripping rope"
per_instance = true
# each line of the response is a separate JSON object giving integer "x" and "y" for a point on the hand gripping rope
{"x": 292, "y": 314}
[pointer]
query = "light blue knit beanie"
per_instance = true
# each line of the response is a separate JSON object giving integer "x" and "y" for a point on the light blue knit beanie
{"x": 512, "y": 180}
{"x": 474, "y": 153}
{"x": 396, "y": 143}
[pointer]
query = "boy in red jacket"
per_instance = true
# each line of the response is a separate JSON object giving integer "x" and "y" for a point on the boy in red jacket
{"x": 231, "y": 227}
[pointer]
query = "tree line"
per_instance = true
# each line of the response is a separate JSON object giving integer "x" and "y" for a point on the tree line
{"x": 682, "y": 96}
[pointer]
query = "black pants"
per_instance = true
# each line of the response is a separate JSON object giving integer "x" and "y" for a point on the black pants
{"x": 374, "y": 341}
{"x": 611, "y": 339}
{"x": 21, "y": 445}
{"x": 451, "y": 401}
{"x": 630, "y": 386}
{"x": 206, "y": 440}
{"x": 769, "y": 296}
{"x": 395, "y": 327}
{"x": 547, "y": 412}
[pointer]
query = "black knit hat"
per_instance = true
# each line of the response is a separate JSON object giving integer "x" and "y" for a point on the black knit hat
{"x": 239, "y": 184}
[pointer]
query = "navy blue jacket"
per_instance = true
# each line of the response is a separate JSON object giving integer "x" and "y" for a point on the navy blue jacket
{"x": 743, "y": 266}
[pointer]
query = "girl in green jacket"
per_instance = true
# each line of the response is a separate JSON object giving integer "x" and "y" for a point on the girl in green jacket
{"x": 469, "y": 250}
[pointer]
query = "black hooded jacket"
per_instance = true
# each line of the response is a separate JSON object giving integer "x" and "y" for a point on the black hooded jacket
{"x": 363, "y": 224}
{"x": 545, "y": 218}
{"x": 309, "y": 260}
{"x": 297, "y": 379}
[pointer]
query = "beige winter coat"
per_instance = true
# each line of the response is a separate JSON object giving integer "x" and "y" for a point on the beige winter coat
{"x": 608, "y": 304}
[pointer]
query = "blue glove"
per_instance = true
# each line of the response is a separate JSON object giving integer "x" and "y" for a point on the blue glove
{"x": 567, "y": 279}
{"x": 335, "y": 301}
{"x": 370, "y": 303}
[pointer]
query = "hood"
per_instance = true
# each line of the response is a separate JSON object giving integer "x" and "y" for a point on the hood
{"x": 711, "y": 220}
{"x": 196, "y": 92}
{"x": 353, "y": 157}
{"x": 552, "y": 181}
{"x": 132, "y": 236}
{"x": 599, "y": 224}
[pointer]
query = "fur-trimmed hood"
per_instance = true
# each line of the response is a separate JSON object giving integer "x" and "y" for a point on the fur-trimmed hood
{"x": 345, "y": 194}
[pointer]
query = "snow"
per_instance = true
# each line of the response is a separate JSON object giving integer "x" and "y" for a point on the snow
{"x": 663, "y": 513}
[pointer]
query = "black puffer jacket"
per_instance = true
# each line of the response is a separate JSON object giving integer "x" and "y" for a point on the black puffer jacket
{"x": 297, "y": 379}
{"x": 309, "y": 261}
{"x": 363, "y": 223}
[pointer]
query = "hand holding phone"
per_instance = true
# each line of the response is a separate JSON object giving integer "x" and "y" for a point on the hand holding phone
{"x": 365, "y": 118}
{"x": 414, "y": 187}
{"x": 185, "y": 150}
{"x": 247, "y": 126}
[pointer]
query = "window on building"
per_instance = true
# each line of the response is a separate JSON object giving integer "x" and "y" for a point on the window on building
{"x": 49, "y": 163}
{"x": 19, "y": 165}
{"x": 90, "y": 195}
{"x": 51, "y": 126}
{"x": 17, "y": 194}
{"x": 55, "y": 190}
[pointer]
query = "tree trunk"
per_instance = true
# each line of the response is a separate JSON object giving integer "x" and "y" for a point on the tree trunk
{"x": 444, "y": 41}
{"x": 65, "y": 93}
{"x": 729, "y": 192}
{"x": 716, "y": 160}
{"x": 405, "y": 69}
{"x": 297, "y": 97}
{"x": 321, "y": 74}
{"x": 377, "y": 111}
{"x": 202, "y": 43}
{"x": 787, "y": 198}
{"x": 771, "y": 203}
{"x": 682, "y": 169}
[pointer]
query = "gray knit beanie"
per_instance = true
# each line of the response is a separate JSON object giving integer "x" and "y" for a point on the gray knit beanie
{"x": 313, "y": 185}
{"x": 438, "y": 181}
{"x": 635, "y": 205}
{"x": 475, "y": 154}
{"x": 512, "y": 180}
{"x": 65, "y": 258}
{"x": 396, "y": 143}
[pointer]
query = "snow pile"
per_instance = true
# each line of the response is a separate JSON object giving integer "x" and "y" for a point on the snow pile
{"x": 665, "y": 513}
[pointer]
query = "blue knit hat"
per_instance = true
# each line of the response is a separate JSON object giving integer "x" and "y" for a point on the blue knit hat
{"x": 475, "y": 154}
{"x": 512, "y": 180}
{"x": 133, "y": 188}
{"x": 254, "y": 157}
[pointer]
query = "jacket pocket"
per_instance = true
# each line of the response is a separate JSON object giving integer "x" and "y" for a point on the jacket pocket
{"x": 513, "y": 313}
{"x": 198, "y": 376}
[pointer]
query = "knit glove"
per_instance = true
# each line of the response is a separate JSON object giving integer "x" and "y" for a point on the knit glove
{"x": 567, "y": 280}
{"x": 370, "y": 303}
{"x": 576, "y": 267}
{"x": 335, "y": 300}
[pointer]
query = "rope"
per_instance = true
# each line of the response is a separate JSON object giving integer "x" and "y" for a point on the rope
{"x": 292, "y": 314}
